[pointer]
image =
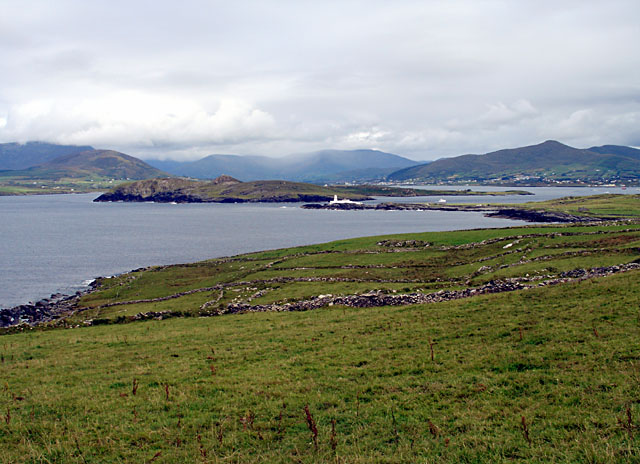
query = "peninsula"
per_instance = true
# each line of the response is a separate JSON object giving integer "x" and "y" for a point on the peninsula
{"x": 226, "y": 189}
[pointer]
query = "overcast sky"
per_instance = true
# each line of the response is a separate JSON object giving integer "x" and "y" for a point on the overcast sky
{"x": 423, "y": 79}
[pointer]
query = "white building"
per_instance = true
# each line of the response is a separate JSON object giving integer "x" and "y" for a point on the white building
{"x": 335, "y": 201}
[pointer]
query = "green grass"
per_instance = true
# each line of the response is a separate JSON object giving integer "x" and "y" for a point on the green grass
{"x": 69, "y": 392}
{"x": 234, "y": 388}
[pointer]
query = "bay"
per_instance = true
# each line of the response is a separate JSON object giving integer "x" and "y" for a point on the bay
{"x": 57, "y": 243}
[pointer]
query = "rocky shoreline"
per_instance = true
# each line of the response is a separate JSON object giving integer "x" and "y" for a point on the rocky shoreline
{"x": 45, "y": 310}
{"x": 490, "y": 211}
{"x": 59, "y": 306}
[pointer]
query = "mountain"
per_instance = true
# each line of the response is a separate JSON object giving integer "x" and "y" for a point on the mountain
{"x": 22, "y": 156}
{"x": 212, "y": 166}
{"x": 341, "y": 165}
{"x": 103, "y": 163}
{"x": 90, "y": 163}
{"x": 320, "y": 166}
{"x": 548, "y": 161}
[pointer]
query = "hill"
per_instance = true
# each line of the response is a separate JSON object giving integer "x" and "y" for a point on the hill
{"x": 322, "y": 166}
{"x": 83, "y": 171}
{"x": 101, "y": 163}
{"x": 16, "y": 156}
{"x": 549, "y": 162}
{"x": 224, "y": 189}
{"x": 498, "y": 345}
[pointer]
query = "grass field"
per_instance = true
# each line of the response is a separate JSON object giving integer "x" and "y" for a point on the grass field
{"x": 547, "y": 374}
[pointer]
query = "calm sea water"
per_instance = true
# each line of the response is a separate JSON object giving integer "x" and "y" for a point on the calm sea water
{"x": 56, "y": 243}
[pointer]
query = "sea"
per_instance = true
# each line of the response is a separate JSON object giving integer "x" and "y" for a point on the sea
{"x": 60, "y": 243}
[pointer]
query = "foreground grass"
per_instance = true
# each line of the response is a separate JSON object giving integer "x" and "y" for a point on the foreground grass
{"x": 234, "y": 388}
{"x": 550, "y": 374}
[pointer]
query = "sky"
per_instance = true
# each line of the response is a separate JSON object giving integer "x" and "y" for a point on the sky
{"x": 422, "y": 79}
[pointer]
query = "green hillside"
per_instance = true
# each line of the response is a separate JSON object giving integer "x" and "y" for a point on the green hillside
{"x": 85, "y": 171}
{"x": 538, "y": 364}
{"x": 548, "y": 162}
{"x": 102, "y": 163}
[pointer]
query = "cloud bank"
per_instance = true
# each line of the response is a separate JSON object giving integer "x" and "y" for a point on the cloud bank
{"x": 421, "y": 79}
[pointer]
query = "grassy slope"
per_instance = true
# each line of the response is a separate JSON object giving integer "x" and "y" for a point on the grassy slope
{"x": 87, "y": 171}
{"x": 550, "y": 159}
{"x": 101, "y": 163}
{"x": 237, "y": 384}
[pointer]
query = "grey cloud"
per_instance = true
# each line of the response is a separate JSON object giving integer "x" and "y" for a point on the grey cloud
{"x": 423, "y": 79}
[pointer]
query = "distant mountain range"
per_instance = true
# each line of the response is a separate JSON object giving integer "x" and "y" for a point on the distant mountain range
{"x": 548, "y": 162}
{"x": 321, "y": 166}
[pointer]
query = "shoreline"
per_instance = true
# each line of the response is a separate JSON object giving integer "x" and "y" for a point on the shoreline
{"x": 42, "y": 311}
